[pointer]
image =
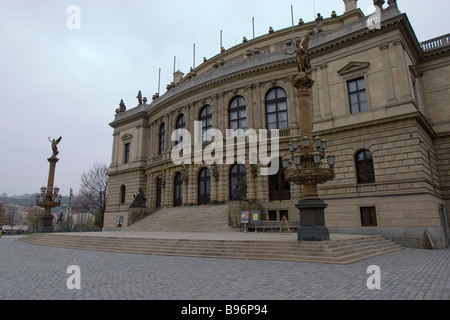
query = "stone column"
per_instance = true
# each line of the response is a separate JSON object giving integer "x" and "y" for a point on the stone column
{"x": 251, "y": 182}
{"x": 311, "y": 208}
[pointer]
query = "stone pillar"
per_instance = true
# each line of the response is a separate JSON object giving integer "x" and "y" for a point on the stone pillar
{"x": 192, "y": 185}
{"x": 311, "y": 208}
{"x": 312, "y": 220}
{"x": 251, "y": 182}
{"x": 350, "y": 5}
{"x": 388, "y": 78}
{"x": 402, "y": 70}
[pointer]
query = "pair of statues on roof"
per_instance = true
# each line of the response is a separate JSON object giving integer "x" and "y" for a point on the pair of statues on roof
{"x": 379, "y": 3}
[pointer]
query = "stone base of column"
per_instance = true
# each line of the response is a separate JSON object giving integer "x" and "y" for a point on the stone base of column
{"x": 45, "y": 224}
{"x": 312, "y": 220}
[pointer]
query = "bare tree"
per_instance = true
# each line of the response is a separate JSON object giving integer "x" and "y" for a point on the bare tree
{"x": 93, "y": 191}
{"x": 2, "y": 213}
{"x": 32, "y": 218}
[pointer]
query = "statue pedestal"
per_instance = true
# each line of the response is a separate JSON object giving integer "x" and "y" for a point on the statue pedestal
{"x": 45, "y": 223}
{"x": 312, "y": 220}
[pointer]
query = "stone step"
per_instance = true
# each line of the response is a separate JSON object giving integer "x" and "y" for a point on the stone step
{"x": 206, "y": 218}
{"x": 337, "y": 251}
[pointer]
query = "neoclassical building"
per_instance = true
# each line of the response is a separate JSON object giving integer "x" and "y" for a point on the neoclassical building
{"x": 380, "y": 98}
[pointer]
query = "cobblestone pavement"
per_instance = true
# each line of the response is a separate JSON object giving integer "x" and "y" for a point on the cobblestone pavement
{"x": 29, "y": 271}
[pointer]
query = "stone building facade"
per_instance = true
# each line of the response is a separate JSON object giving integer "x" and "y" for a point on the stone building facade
{"x": 380, "y": 99}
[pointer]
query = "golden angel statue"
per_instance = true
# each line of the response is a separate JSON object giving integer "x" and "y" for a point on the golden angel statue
{"x": 54, "y": 145}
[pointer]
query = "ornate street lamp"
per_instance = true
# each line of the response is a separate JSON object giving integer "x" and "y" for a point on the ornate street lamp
{"x": 304, "y": 164}
{"x": 49, "y": 197}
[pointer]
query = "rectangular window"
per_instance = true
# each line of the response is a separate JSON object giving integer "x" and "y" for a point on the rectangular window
{"x": 368, "y": 216}
{"x": 127, "y": 152}
{"x": 357, "y": 95}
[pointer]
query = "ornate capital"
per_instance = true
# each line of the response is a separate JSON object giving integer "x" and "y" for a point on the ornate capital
{"x": 311, "y": 176}
{"x": 302, "y": 82}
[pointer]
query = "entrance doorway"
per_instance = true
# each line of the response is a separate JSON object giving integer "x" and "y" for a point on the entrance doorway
{"x": 204, "y": 186}
{"x": 279, "y": 187}
{"x": 178, "y": 190}
{"x": 158, "y": 192}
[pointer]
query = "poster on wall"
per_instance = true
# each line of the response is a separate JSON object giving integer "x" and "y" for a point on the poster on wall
{"x": 244, "y": 216}
{"x": 255, "y": 216}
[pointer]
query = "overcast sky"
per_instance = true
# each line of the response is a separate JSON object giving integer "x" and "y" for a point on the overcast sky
{"x": 55, "y": 81}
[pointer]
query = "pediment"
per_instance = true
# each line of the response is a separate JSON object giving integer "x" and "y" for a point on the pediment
{"x": 127, "y": 136}
{"x": 354, "y": 66}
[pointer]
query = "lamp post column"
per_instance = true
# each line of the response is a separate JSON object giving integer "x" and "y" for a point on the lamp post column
{"x": 46, "y": 220}
{"x": 49, "y": 195}
{"x": 303, "y": 84}
{"x": 307, "y": 168}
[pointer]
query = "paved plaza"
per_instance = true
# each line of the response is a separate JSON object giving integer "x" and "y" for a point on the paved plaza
{"x": 29, "y": 271}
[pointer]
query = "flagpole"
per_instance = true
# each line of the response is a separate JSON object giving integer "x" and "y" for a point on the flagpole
{"x": 194, "y": 58}
{"x": 292, "y": 18}
{"x": 253, "y": 26}
{"x": 159, "y": 82}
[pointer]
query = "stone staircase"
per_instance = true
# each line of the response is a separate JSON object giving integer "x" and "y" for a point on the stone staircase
{"x": 236, "y": 245}
{"x": 205, "y": 218}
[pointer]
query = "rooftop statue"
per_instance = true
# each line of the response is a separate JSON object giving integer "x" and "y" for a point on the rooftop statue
{"x": 379, "y": 3}
{"x": 139, "y": 97}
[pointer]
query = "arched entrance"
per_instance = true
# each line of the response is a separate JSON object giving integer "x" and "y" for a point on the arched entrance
{"x": 158, "y": 192}
{"x": 279, "y": 187}
{"x": 204, "y": 186}
{"x": 178, "y": 190}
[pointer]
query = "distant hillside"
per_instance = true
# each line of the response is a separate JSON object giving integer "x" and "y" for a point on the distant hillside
{"x": 25, "y": 200}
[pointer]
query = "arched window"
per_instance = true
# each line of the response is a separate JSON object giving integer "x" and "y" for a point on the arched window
{"x": 181, "y": 124}
{"x": 237, "y": 114}
{"x": 162, "y": 139}
{"x": 276, "y": 109}
{"x": 204, "y": 186}
{"x": 123, "y": 192}
{"x": 158, "y": 199}
{"x": 206, "y": 119}
{"x": 178, "y": 190}
{"x": 279, "y": 187}
{"x": 364, "y": 167}
{"x": 237, "y": 172}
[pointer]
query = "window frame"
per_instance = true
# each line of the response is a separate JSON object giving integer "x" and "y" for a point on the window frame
{"x": 127, "y": 152}
{"x": 162, "y": 138}
{"x": 241, "y": 105}
{"x": 371, "y": 220}
{"x": 357, "y": 93}
{"x": 123, "y": 193}
{"x": 276, "y": 101}
{"x": 365, "y": 167}
{"x": 180, "y": 125}
{"x": 204, "y": 118}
